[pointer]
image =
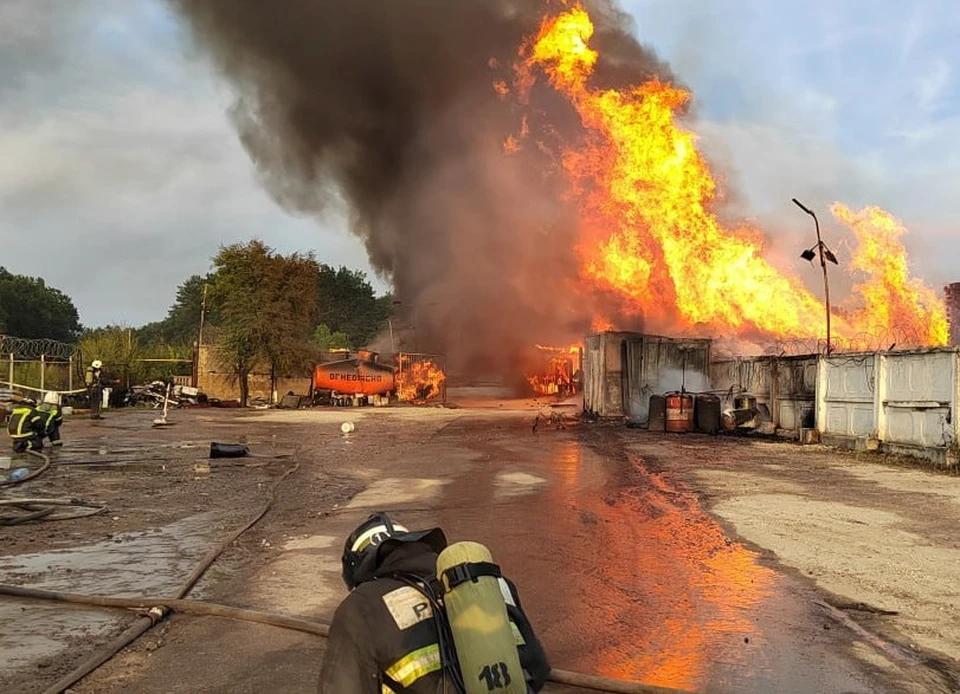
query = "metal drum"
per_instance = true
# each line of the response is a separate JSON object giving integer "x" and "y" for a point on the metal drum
{"x": 679, "y": 412}
{"x": 706, "y": 412}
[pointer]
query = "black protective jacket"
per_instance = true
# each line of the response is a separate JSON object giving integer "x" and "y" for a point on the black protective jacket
{"x": 383, "y": 637}
{"x": 25, "y": 423}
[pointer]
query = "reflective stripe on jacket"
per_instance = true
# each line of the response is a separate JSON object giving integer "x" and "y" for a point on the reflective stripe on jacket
{"x": 383, "y": 638}
{"x": 24, "y": 423}
{"x": 52, "y": 417}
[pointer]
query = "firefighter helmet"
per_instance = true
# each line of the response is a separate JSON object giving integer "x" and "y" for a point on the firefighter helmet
{"x": 97, "y": 364}
{"x": 364, "y": 546}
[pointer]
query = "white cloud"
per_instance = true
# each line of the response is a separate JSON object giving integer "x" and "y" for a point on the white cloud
{"x": 932, "y": 85}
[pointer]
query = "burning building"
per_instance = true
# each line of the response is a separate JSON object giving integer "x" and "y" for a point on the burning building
{"x": 539, "y": 182}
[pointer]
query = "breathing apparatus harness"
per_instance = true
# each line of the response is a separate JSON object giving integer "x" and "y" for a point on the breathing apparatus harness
{"x": 432, "y": 590}
{"x": 465, "y": 563}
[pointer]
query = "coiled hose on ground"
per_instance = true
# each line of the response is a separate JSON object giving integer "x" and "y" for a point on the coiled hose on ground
{"x": 21, "y": 510}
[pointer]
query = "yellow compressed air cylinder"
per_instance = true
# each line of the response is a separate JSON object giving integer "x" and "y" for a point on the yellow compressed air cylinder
{"x": 485, "y": 642}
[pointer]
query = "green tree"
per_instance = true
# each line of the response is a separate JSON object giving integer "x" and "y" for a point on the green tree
{"x": 266, "y": 309}
{"x": 325, "y": 340}
{"x": 347, "y": 303}
{"x": 123, "y": 353}
{"x": 31, "y": 309}
{"x": 182, "y": 323}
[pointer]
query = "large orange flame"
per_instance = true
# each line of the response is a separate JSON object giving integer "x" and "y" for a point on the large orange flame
{"x": 650, "y": 231}
{"x": 418, "y": 380}
{"x": 890, "y": 298}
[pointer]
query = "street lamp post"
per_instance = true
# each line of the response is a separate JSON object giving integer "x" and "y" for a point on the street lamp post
{"x": 825, "y": 255}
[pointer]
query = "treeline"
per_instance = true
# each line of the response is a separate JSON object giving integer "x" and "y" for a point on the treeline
{"x": 31, "y": 309}
{"x": 262, "y": 308}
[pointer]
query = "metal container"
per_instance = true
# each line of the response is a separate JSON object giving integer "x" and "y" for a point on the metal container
{"x": 706, "y": 412}
{"x": 354, "y": 377}
{"x": 228, "y": 450}
{"x": 658, "y": 413}
{"x": 679, "y": 413}
{"x": 745, "y": 402}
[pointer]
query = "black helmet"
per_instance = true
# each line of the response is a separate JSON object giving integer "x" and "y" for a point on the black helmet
{"x": 361, "y": 548}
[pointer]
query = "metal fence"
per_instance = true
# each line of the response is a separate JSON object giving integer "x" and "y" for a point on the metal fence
{"x": 421, "y": 377}
{"x": 38, "y": 365}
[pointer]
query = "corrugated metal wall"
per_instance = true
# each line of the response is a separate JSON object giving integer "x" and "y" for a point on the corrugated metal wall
{"x": 785, "y": 385}
{"x": 622, "y": 371}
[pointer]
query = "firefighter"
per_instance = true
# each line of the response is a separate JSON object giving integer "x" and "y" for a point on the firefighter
{"x": 94, "y": 382}
{"x": 25, "y": 427}
{"x": 387, "y": 635}
{"x": 52, "y": 418}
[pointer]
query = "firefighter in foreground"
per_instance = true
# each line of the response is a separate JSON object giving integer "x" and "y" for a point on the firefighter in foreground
{"x": 424, "y": 617}
{"x": 26, "y": 427}
{"x": 93, "y": 379}
{"x": 52, "y": 418}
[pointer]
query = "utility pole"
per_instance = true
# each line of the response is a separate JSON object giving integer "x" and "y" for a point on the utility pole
{"x": 195, "y": 378}
{"x": 825, "y": 255}
{"x": 203, "y": 312}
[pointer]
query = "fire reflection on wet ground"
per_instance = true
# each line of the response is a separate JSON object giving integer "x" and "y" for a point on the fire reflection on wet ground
{"x": 626, "y": 575}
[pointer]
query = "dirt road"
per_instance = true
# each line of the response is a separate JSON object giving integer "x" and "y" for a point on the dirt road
{"x": 687, "y": 562}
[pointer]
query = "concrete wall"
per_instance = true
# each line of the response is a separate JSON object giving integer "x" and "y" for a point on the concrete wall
{"x": 216, "y": 381}
{"x": 905, "y": 402}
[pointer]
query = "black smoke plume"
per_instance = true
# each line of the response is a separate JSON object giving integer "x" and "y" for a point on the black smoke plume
{"x": 391, "y": 107}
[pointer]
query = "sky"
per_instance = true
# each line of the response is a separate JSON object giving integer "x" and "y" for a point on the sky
{"x": 121, "y": 175}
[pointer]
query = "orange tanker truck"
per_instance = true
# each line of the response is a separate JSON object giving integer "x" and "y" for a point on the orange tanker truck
{"x": 359, "y": 377}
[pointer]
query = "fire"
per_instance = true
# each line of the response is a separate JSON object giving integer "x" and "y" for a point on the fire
{"x": 890, "y": 297}
{"x": 420, "y": 380}
{"x": 560, "y": 374}
{"x": 649, "y": 230}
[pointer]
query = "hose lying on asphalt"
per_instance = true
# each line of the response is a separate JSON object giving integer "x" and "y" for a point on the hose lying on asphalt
{"x": 28, "y": 510}
{"x": 193, "y": 607}
{"x": 33, "y": 473}
{"x": 156, "y": 614}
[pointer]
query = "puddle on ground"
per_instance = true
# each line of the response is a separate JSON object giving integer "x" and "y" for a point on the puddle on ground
{"x": 511, "y": 484}
{"x": 149, "y": 563}
{"x": 627, "y": 576}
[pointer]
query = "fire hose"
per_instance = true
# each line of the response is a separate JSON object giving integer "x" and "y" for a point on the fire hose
{"x": 33, "y": 473}
{"x": 208, "y": 609}
{"x": 30, "y": 510}
{"x": 159, "y": 608}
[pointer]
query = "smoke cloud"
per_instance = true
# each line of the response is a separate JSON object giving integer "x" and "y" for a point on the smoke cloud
{"x": 391, "y": 107}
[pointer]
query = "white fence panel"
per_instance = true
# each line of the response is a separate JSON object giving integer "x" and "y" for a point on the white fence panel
{"x": 796, "y": 389}
{"x": 919, "y": 399}
{"x": 847, "y": 399}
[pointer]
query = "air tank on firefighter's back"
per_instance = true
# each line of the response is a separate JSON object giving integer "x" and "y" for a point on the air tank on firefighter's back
{"x": 354, "y": 377}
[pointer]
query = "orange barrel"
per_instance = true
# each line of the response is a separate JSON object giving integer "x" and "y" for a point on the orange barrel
{"x": 679, "y": 412}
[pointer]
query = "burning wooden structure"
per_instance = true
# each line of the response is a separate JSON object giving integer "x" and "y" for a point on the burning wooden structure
{"x": 560, "y": 372}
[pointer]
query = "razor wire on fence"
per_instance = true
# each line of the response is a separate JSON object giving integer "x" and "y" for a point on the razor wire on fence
{"x": 38, "y": 365}
{"x": 882, "y": 341}
{"x": 32, "y": 349}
